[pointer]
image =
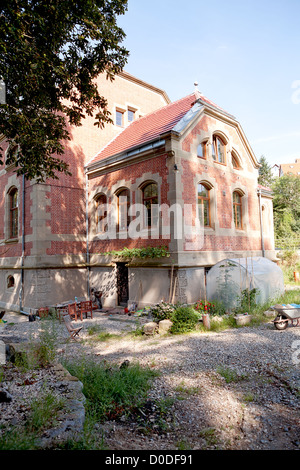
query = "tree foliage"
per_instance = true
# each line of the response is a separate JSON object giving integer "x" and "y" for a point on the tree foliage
{"x": 50, "y": 53}
{"x": 265, "y": 177}
{"x": 286, "y": 203}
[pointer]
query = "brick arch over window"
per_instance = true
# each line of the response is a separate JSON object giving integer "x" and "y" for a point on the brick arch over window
{"x": 236, "y": 161}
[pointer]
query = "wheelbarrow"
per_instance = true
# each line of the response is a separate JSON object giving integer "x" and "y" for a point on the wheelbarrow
{"x": 287, "y": 314}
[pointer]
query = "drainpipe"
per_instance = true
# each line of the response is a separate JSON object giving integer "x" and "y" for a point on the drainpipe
{"x": 87, "y": 234}
{"x": 21, "y": 294}
{"x": 261, "y": 225}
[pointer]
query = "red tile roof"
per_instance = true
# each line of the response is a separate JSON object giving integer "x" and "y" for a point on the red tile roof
{"x": 148, "y": 128}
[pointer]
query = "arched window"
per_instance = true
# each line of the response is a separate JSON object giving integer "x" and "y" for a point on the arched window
{"x": 204, "y": 205}
{"x": 202, "y": 150}
{"x": 10, "y": 282}
{"x": 235, "y": 162}
{"x": 218, "y": 150}
{"x": 237, "y": 210}
{"x": 123, "y": 209}
{"x": 13, "y": 213}
{"x": 150, "y": 198}
{"x": 101, "y": 213}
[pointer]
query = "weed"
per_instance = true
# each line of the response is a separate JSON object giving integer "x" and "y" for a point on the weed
{"x": 111, "y": 391}
{"x": 230, "y": 375}
{"x": 183, "y": 445}
{"x": 181, "y": 388}
{"x": 209, "y": 434}
{"x": 44, "y": 411}
{"x": 248, "y": 397}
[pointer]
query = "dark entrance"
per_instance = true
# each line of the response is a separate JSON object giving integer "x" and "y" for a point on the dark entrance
{"x": 122, "y": 284}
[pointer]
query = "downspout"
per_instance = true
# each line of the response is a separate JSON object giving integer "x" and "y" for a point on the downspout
{"x": 261, "y": 225}
{"x": 21, "y": 294}
{"x": 87, "y": 234}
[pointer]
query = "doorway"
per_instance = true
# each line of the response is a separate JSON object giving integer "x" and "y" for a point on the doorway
{"x": 122, "y": 284}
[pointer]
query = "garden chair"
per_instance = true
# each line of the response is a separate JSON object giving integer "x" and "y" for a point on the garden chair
{"x": 73, "y": 311}
{"x": 73, "y": 332}
{"x": 43, "y": 312}
{"x": 61, "y": 312}
{"x": 86, "y": 308}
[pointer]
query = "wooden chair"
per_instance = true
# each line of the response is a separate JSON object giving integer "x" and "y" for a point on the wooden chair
{"x": 73, "y": 332}
{"x": 61, "y": 312}
{"x": 86, "y": 308}
{"x": 73, "y": 311}
{"x": 43, "y": 312}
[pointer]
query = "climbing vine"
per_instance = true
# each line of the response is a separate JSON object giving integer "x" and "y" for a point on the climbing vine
{"x": 131, "y": 253}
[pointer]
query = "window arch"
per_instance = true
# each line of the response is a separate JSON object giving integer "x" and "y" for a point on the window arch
{"x": 204, "y": 204}
{"x": 101, "y": 213}
{"x": 218, "y": 149}
{"x": 150, "y": 198}
{"x": 13, "y": 213}
{"x": 237, "y": 210}
{"x": 123, "y": 196}
{"x": 235, "y": 160}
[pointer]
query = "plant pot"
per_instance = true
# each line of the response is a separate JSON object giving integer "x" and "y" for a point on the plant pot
{"x": 206, "y": 321}
{"x": 243, "y": 319}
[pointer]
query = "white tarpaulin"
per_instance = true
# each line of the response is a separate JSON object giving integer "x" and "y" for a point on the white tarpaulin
{"x": 228, "y": 278}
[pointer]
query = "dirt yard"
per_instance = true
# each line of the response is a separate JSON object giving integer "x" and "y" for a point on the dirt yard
{"x": 234, "y": 390}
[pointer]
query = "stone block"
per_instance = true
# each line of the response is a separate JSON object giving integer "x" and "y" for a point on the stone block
{"x": 164, "y": 326}
{"x": 150, "y": 328}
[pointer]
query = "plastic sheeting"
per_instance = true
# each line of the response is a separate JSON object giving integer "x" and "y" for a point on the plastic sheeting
{"x": 227, "y": 279}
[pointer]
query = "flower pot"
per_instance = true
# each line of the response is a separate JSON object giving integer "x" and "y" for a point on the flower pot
{"x": 243, "y": 319}
{"x": 206, "y": 321}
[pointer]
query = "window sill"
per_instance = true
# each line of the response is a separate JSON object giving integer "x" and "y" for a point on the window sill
{"x": 11, "y": 241}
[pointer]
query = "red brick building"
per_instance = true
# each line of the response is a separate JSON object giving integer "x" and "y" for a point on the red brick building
{"x": 180, "y": 174}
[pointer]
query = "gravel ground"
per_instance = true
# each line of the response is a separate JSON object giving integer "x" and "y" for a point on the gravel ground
{"x": 238, "y": 389}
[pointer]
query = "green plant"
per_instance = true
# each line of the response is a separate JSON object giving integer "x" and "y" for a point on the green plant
{"x": 246, "y": 301}
{"x": 184, "y": 319}
{"x": 147, "y": 252}
{"x": 44, "y": 412}
{"x": 203, "y": 306}
{"x": 162, "y": 311}
{"x": 111, "y": 391}
{"x": 230, "y": 375}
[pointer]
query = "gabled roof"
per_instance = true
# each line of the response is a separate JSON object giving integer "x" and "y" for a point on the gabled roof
{"x": 151, "y": 127}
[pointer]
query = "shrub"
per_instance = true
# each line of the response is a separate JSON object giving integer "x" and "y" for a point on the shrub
{"x": 217, "y": 308}
{"x": 184, "y": 319}
{"x": 162, "y": 311}
{"x": 203, "y": 306}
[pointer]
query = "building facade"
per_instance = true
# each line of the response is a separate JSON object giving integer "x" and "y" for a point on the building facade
{"x": 43, "y": 255}
{"x": 180, "y": 175}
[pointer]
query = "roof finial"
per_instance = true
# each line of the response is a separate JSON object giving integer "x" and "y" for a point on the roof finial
{"x": 197, "y": 92}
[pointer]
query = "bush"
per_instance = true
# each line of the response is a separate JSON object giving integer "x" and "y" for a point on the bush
{"x": 162, "y": 311}
{"x": 110, "y": 390}
{"x": 213, "y": 308}
{"x": 184, "y": 319}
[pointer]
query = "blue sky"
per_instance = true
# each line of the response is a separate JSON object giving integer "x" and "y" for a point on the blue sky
{"x": 245, "y": 55}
